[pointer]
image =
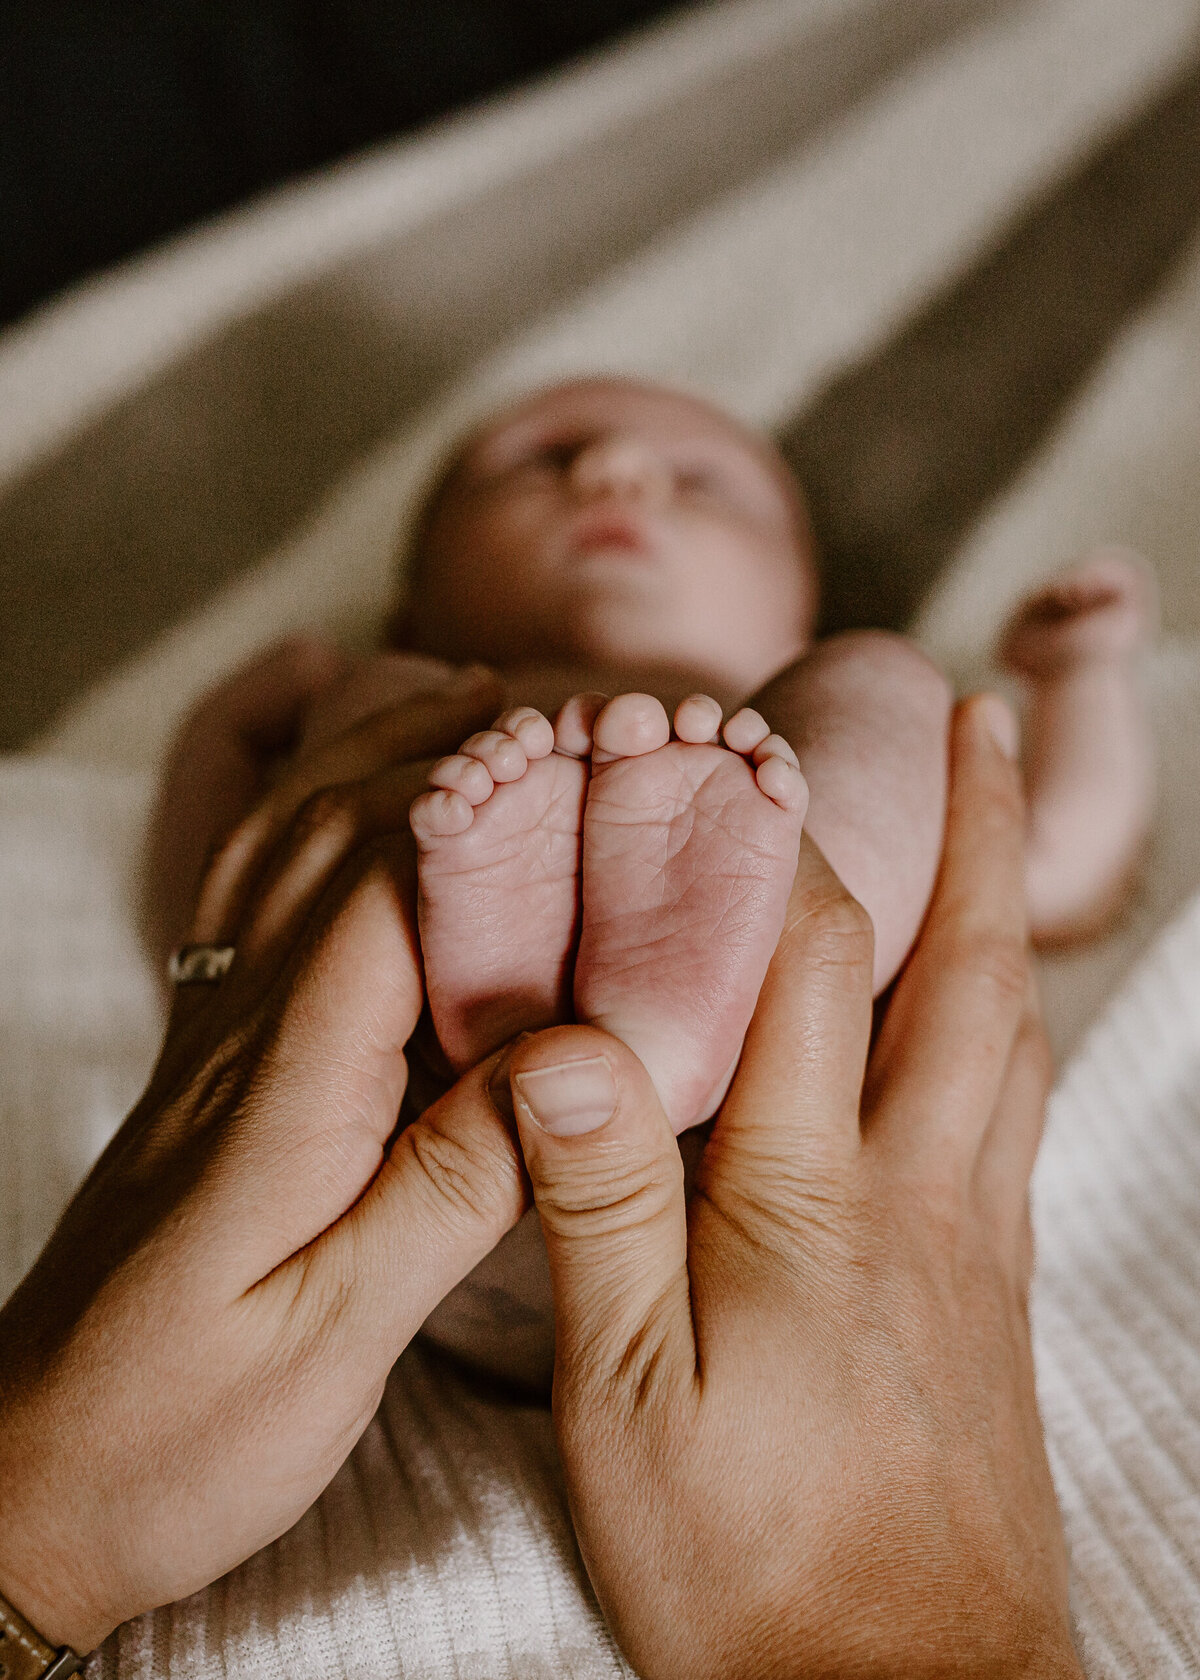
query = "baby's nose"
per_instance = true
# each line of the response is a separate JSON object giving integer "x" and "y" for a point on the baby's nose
{"x": 620, "y": 466}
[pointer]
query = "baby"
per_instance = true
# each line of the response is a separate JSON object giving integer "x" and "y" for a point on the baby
{"x": 619, "y": 848}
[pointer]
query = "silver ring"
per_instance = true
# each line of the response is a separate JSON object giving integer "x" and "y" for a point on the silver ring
{"x": 199, "y": 965}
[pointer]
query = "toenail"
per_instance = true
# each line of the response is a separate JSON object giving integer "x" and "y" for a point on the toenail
{"x": 570, "y": 1098}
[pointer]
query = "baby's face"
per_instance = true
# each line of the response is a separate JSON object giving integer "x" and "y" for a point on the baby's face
{"x": 618, "y": 524}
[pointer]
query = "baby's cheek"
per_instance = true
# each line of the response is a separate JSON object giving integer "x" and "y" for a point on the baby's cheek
{"x": 382, "y": 680}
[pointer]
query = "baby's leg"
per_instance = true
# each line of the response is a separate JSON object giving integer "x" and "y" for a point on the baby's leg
{"x": 1088, "y": 751}
{"x": 868, "y": 716}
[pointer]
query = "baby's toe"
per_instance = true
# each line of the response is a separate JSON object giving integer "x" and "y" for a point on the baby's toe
{"x": 745, "y": 730}
{"x": 501, "y": 755}
{"x": 529, "y": 728}
{"x": 434, "y": 816}
{"x": 460, "y": 774}
{"x": 783, "y": 783}
{"x": 697, "y": 719}
{"x": 575, "y": 724}
{"x": 774, "y": 747}
{"x": 629, "y": 726}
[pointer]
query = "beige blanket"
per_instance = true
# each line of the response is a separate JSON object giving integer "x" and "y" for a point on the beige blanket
{"x": 749, "y": 199}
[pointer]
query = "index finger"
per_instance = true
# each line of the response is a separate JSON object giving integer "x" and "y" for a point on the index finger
{"x": 937, "y": 1068}
{"x": 792, "y": 1110}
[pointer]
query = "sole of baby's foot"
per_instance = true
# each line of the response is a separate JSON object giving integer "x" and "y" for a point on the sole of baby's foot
{"x": 498, "y": 838}
{"x": 1103, "y": 608}
{"x": 690, "y": 843}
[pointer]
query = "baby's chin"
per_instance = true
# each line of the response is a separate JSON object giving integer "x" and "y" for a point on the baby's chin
{"x": 661, "y": 664}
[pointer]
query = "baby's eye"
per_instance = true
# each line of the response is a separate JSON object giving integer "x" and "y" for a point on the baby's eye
{"x": 556, "y": 455}
{"x": 697, "y": 481}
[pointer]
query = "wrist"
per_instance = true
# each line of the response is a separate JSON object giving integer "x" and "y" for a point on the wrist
{"x": 44, "y": 1573}
{"x": 51, "y": 1607}
{"x": 26, "y": 1653}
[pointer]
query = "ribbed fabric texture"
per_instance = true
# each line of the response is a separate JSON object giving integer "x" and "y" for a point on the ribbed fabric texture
{"x": 442, "y": 1548}
{"x": 1117, "y": 1315}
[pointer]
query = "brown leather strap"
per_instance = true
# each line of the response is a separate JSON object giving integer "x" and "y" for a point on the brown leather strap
{"x": 25, "y": 1655}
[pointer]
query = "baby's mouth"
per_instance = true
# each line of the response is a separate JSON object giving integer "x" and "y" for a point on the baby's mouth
{"x": 607, "y": 533}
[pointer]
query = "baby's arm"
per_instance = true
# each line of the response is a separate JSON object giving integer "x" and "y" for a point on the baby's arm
{"x": 217, "y": 766}
{"x": 868, "y": 716}
{"x": 298, "y": 719}
{"x": 1089, "y": 758}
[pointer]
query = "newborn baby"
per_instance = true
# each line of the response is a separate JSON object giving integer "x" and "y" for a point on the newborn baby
{"x": 619, "y": 848}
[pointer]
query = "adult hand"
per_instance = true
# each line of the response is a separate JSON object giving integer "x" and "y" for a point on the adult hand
{"x": 798, "y": 1423}
{"x": 210, "y": 1328}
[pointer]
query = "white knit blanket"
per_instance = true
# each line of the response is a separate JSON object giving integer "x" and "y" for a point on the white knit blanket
{"x": 443, "y": 1548}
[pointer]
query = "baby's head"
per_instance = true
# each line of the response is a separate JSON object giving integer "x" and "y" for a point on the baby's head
{"x": 614, "y": 523}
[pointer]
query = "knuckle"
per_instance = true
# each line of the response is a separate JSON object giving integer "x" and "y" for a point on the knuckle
{"x": 467, "y": 1177}
{"x": 605, "y": 1197}
{"x": 836, "y": 929}
{"x": 996, "y": 961}
{"x": 330, "y": 814}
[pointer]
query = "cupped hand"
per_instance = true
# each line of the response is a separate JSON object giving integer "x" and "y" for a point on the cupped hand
{"x": 210, "y": 1328}
{"x": 798, "y": 1422}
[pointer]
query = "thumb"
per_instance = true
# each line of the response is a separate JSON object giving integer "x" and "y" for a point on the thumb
{"x": 607, "y": 1179}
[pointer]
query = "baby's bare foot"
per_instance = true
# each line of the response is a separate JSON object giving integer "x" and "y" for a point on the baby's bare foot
{"x": 689, "y": 852}
{"x": 498, "y": 903}
{"x": 1089, "y": 754}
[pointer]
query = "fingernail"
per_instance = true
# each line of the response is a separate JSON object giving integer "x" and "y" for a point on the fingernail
{"x": 499, "y": 1088}
{"x": 571, "y": 1098}
{"x": 1001, "y": 723}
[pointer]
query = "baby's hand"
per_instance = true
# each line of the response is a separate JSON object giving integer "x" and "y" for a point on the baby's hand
{"x": 218, "y": 767}
{"x": 366, "y": 745}
{"x": 337, "y": 721}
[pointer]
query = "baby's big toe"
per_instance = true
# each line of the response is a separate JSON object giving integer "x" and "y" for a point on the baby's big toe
{"x": 629, "y": 726}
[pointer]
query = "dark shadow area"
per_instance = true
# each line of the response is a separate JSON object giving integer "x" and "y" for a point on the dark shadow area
{"x": 162, "y": 499}
{"x": 127, "y": 120}
{"x": 900, "y": 455}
